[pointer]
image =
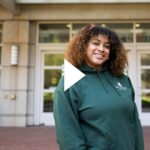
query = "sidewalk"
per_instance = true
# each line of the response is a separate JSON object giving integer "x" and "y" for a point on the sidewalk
{"x": 29, "y": 138}
{"x": 39, "y": 138}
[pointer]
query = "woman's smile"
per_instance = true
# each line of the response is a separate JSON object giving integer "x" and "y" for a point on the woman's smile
{"x": 98, "y": 55}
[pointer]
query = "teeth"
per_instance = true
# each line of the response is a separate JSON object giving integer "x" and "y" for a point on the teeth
{"x": 99, "y": 55}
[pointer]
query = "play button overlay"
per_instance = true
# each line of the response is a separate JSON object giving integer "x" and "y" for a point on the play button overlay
{"x": 71, "y": 75}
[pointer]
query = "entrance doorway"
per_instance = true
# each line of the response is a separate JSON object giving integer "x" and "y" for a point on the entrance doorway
{"x": 51, "y": 72}
{"x": 144, "y": 85}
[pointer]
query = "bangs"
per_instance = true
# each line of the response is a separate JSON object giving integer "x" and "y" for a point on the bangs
{"x": 97, "y": 30}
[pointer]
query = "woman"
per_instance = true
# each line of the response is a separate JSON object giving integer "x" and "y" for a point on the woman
{"x": 98, "y": 112}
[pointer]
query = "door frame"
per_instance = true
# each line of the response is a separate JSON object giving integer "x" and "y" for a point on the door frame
{"x": 144, "y": 116}
{"x": 133, "y": 74}
{"x": 41, "y": 48}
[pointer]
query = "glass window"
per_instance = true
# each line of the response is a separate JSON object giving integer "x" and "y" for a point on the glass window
{"x": 145, "y": 59}
{"x": 48, "y": 102}
{"x": 142, "y": 32}
{"x": 53, "y": 33}
{"x": 52, "y": 73}
{"x": 145, "y": 102}
{"x": 145, "y": 81}
{"x": 145, "y": 70}
{"x": 145, "y": 75}
{"x": 77, "y": 27}
{"x": 124, "y": 30}
{"x": 0, "y": 33}
{"x": 53, "y": 59}
{"x": 0, "y": 55}
{"x": 51, "y": 78}
{"x": 0, "y": 48}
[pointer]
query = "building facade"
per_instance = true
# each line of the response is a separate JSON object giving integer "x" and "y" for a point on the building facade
{"x": 33, "y": 38}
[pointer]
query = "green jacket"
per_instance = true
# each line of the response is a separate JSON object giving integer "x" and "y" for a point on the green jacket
{"x": 97, "y": 113}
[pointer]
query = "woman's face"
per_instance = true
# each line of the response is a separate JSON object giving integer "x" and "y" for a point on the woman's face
{"x": 97, "y": 52}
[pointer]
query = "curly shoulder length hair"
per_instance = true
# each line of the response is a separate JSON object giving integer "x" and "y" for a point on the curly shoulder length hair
{"x": 76, "y": 50}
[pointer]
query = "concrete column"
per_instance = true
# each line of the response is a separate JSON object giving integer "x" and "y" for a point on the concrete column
{"x": 31, "y": 74}
{"x": 15, "y": 78}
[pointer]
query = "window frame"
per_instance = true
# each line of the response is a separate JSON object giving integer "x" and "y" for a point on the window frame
{"x": 1, "y": 45}
{"x": 144, "y": 49}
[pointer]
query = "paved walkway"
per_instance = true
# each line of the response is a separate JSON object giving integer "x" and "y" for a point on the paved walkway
{"x": 39, "y": 138}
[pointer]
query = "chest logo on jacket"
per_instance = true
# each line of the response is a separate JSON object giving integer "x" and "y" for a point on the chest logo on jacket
{"x": 120, "y": 86}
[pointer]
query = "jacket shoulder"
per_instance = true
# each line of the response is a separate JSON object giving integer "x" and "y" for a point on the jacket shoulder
{"x": 61, "y": 84}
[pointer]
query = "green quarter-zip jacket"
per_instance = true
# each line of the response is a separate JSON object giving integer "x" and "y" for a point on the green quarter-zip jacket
{"x": 97, "y": 113}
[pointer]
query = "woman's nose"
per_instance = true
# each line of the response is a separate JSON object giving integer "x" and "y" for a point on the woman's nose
{"x": 101, "y": 48}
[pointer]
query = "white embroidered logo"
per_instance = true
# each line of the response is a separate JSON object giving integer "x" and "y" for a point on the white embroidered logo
{"x": 120, "y": 86}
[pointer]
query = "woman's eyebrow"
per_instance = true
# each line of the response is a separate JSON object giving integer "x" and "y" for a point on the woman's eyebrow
{"x": 95, "y": 39}
{"x": 107, "y": 42}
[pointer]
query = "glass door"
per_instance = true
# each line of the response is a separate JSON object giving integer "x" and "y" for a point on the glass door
{"x": 51, "y": 73}
{"x": 144, "y": 84}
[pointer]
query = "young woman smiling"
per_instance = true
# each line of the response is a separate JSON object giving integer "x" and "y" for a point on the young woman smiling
{"x": 98, "y": 112}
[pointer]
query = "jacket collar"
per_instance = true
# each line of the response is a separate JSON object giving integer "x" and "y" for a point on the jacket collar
{"x": 88, "y": 69}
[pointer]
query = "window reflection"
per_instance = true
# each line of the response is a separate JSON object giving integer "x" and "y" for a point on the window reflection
{"x": 53, "y": 33}
{"x": 59, "y": 33}
{"x": 51, "y": 78}
{"x": 48, "y": 102}
{"x": 145, "y": 59}
{"x": 0, "y": 49}
{"x": 124, "y": 30}
{"x": 0, "y": 33}
{"x": 145, "y": 78}
{"x": 145, "y": 102}
{"x": 77, "y": 27}
{"x": 52, "y": 74}
{"x": 0, "y": 63}
{"x": 143, "y": 32}
{"x": 0, "y": 55}
{"x": 53, "y": 59}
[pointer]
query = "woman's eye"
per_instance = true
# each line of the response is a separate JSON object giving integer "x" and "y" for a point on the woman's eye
{"x": 95, "y": 43}
{"x": 107, "y": 46}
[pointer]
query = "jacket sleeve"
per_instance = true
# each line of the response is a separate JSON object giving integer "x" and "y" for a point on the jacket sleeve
{"x": 139, "y": 141}
{"x": 68, "y": 132}
{"x": 138, "y": 131}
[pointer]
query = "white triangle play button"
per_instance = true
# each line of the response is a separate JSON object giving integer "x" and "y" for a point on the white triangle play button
{"x": 71, "y": 75}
